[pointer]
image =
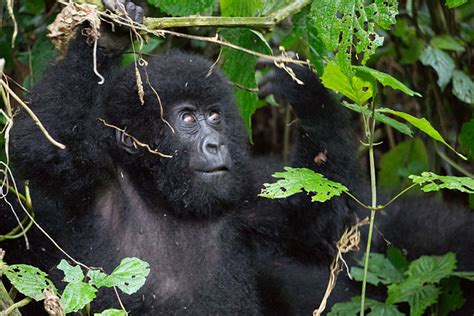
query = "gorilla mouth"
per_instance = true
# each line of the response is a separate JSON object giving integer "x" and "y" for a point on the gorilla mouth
{"x": 218, "y": 170}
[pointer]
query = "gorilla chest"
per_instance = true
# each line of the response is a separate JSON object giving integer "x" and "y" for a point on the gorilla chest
{"x": 192, "y": 262}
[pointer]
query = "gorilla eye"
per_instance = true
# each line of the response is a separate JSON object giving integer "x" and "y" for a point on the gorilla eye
{"x": 214, "y": 117}
{"x": 188, "y": 117}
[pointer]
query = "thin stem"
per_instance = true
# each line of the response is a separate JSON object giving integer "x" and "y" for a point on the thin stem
{"x": 18, "y": 305}
{"x": 357, "y": 200}
{"x": 397, "y": 196}
{"x": 373, "y": 186}
{"x": 263, "y": 22}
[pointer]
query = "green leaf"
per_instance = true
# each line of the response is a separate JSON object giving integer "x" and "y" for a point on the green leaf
{"x": 240, "y": 68}
{"x": 381, "y": 269}
{"x": 240, "y": 7}
{"x": 423, "y": 125}
{"x": 182, "y": 7}
{"x": 441, "y": 62}
{"x": 401, "y": 127}
{"x": 463, "y": 87}
{"x": 347, "y": 23}
{"x": 466, "y": 138}
{"x": 28, "y": 280}
{"x": 353, "y": 308}
{"x": 296, "y": 180}
{"x": 129, "y": 276}
{"x": 358, "y": 275}
{"x": 72, "y": 274}
{"x": 76, "y": 296}
{"x": 111, "y": 312}
{"x": 418, "y": 296}
{"x": 464, "y": 275}
{"x": 387, "y": 80}
{"x": 406, "y": 158}
{"x": 431, "y": 269}
{"x": 455, "y": 3}
{"x": 354, "y": 88}
{"x": 451, "y": 298}
{"x": 432, "y": 182}
{"x": 446, "y": 42}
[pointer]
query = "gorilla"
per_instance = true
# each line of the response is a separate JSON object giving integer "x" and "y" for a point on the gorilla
{"x": 170, "y": 180}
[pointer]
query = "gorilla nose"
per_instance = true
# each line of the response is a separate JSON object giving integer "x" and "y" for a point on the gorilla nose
{"x": 212, "y": 145}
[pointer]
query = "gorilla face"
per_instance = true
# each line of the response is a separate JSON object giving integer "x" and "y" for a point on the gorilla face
{"x": 206, "y": 173}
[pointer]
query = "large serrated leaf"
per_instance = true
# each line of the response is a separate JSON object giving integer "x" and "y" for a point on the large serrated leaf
{"x": 418, "y": 296}
{"x": 353, "y": 87}
{"x": 296, "y": 180}
{"x": 381, "y": 269}
{"x": 433, "y": 182}
{"x": 431, "y": 269}
{"x": 387, "y": 80}
{"x": 344, "y": 24}
{"x": 182, "y": 7}
{"x": 441, "y": 62}
{"x": 76, "y": 296}
{"x": 28, "y": 280}
{"x": 423, "y": 125}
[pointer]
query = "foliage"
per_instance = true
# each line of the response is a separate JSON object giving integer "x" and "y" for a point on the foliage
{"x": 129, "y": 276}
{"x": 421, "y": 283}
{"x": 433, "y": 182}
{"x": 295, "y": 180}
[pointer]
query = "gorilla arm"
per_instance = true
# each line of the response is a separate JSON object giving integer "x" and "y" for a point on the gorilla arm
{"x": 66, "y": 100}
{"x": 325, "y": 145}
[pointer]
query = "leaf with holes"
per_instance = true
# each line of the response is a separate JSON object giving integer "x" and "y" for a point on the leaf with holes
{"x": 129, "y": 276}
{"x": 296, "y": 180}
{"x": 28, "y": 280}
{"x": 433, "y": 182}
{"x": 76, "y": 296}
{"x": 347, "y": 23}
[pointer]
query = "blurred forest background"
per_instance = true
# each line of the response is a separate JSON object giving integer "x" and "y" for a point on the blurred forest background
{"x": 430, "y": 49}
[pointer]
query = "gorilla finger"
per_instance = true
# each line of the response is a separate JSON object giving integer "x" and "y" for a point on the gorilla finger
{"x": 139, "y": 15}
{"x": 131, "y": 9}
{"x": 110, "y": 4}
{"x": 265, "y": 90}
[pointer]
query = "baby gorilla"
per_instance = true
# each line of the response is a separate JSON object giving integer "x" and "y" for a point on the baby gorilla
{"x": 170, "y": 181}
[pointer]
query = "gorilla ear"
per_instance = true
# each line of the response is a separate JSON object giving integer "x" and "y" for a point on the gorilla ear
{"x": 126, "y": 142}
